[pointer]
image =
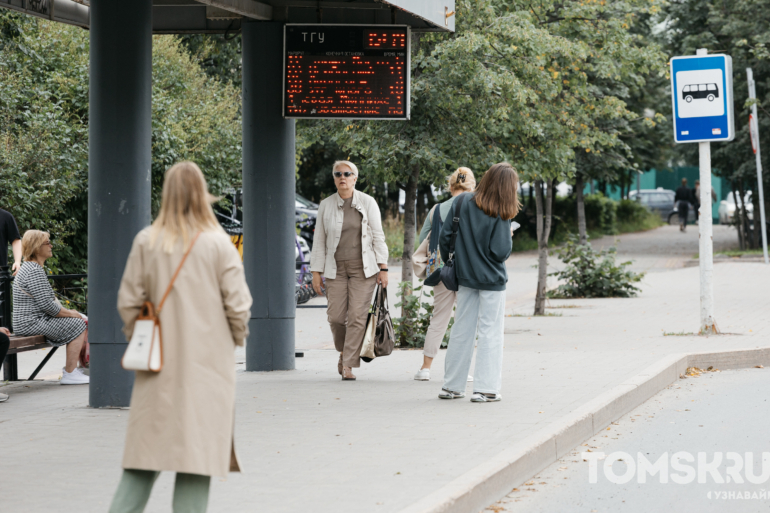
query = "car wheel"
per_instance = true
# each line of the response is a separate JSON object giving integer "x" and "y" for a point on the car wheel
{"x": 711, "y": 97}
{"x": 673, "y": 218}
{"x": 688, "y": 98}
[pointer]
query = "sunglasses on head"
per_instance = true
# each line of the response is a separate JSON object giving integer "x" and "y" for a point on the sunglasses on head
{"x": 346, "y": 174}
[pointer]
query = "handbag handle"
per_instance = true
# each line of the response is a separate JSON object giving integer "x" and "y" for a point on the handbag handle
{"x": 171, "y": 284}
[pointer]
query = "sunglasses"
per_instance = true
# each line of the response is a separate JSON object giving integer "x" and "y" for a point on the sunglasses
{"x": 47, "y": 243}
{"x": 346, "y": 174}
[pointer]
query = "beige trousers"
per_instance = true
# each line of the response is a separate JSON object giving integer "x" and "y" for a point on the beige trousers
{"x": 443, "y": 301}
{"x": 349, "y": 296}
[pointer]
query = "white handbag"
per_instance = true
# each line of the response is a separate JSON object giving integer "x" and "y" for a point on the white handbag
{"x": 145, "y": 350}
{"x": 367, "y": 348}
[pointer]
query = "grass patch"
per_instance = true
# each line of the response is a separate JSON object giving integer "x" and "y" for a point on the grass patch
{"x": 678, "y": 334}
{"x": 564, "y": 306}
{"x": 739, "y": 253}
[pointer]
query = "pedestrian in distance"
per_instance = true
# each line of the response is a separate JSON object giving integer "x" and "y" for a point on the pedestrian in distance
{"x": 483, "y": 245}
{"x": 36, "y": 311}
{"x": 459, "y": 182}
{"x": 182, "y": 418}
{"x": 9, "y": 234}
{"x": 349, "y": 250}
{"x": 682, "y": 200}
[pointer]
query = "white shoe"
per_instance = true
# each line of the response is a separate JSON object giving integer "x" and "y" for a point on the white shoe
{"x": 478, "y": 397}
{"x": 448, "y": 394}
{"x": 3, "y": 398}
{"x": 75, "y": 377}
{"x": 422, "y": 375}
{"x": 470, "y": 378}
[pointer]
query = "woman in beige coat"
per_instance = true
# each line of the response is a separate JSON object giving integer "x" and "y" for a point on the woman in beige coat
{"x": 182, "y": 417}
{"x": 349, "y": 250}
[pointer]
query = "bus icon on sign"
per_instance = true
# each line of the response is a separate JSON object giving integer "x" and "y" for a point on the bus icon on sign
{"x": 700, "y": 91}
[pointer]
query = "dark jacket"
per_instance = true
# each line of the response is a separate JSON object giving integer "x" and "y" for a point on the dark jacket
{"x": 482, "y": 247}
{"x": 683, "y": 194}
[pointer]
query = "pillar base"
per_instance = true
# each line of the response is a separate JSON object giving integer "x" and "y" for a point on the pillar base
{"x": 271, "y": 345}
{"x": 110, "y": 384}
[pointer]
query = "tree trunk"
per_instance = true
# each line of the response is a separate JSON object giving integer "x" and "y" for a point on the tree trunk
{"x": 581, "y": 209}
{"x": 736, "y": 216}
{"x": 744, "y": 218}
{"x": 409, "y": 226}
{"x": 757, "y": 219}
{"x": 543, "y": 232}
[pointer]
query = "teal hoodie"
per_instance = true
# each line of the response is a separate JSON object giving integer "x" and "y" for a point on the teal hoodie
{"x": 482, "y": 247}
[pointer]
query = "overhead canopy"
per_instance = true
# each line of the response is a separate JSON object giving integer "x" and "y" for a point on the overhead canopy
{"x": 225, "y": 16}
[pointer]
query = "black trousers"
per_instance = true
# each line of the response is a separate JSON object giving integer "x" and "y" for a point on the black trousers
{"x": 5, "y": 343}
{"x": 684, "y": 209}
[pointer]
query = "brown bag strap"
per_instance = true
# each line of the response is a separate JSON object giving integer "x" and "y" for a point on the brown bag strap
{"x": 168, "y": 290}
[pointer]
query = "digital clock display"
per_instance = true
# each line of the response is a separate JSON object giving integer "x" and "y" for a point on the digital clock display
{"x": 346, "y": 71}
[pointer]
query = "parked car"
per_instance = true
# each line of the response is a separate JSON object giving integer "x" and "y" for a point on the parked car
{"x": 661, "y": 202}
{"x": 728, "y": 206}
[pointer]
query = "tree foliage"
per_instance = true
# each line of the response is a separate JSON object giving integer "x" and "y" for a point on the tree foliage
{"x": 44, "y": 127}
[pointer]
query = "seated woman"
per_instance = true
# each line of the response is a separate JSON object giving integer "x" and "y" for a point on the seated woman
{"x": 37, "y": 312}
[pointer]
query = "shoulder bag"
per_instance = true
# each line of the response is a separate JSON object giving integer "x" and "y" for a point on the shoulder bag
{"x": 447, "y": 274}
{"x": 145, "y": 350}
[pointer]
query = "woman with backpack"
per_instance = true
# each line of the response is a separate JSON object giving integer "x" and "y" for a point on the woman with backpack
{"x": 462, "y": 180}
{"x": 482, "y": 245}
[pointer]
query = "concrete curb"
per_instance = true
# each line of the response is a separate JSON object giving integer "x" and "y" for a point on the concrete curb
{"x": 494, "y": 479}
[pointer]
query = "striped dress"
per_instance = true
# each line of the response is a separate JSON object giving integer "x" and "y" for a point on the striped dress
{"x": 34, "y": 308}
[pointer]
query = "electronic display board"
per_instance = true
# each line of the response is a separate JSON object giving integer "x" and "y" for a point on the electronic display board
{"x": 346, "y": 71}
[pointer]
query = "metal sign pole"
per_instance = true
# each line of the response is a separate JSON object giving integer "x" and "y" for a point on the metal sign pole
{"x": 754, "y": 129}
{"x": 707, "y": 323}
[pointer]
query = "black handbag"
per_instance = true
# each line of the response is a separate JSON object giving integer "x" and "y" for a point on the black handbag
{"x": 447, "y": 274}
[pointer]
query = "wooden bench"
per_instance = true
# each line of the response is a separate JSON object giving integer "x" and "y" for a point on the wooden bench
{"x": 20, "y": 344}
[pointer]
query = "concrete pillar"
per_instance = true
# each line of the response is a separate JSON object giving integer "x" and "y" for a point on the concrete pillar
{"x": 268, "y": 200}
{"x": 119, "y": 159}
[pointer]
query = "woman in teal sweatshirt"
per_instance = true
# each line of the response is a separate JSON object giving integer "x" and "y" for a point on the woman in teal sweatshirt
{"x": 483, "y": 245}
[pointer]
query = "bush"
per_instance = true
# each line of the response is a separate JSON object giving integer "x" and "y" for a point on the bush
{"x": 635, "y": 217}
{"x": 590, "y": 273}
{"x": 394, "y": 236}
{"x": 410, "y": 329}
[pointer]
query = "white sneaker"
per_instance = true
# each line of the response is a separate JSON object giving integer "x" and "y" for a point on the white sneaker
{"x": 470, "y": 378}
{"x": 75, "y": 377}
{"x": 479, "y": 397}
{"x": 422, "y": 375}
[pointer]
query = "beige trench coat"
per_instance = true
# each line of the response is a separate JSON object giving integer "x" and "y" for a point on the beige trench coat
{"x": 181, "y": 419}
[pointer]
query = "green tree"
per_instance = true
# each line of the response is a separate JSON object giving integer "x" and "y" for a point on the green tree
{"x": 741, "y": 29}
{"x": 44, "y": 127}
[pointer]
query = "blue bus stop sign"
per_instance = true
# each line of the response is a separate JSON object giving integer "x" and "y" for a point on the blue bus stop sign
{"x": 702, "y": 98}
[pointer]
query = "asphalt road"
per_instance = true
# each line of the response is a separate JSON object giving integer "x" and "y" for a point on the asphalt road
{"x": 715, "y": 413}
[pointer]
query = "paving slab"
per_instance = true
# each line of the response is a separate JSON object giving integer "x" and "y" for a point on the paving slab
{"x": 310, "y": 442}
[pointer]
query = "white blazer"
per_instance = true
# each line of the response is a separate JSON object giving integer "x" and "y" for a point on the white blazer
{"x": 329, "y": 227}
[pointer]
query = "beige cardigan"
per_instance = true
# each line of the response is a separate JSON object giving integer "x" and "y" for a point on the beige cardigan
{"x": 182, "y": 418}
{"x": 328, "y": 229}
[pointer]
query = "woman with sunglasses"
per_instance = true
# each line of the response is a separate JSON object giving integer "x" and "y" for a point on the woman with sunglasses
{"x": 349, "y": 250}
{"x": 37, "y": 312}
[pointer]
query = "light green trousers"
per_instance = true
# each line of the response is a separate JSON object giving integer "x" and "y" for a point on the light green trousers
{"x": 191, "y": 492}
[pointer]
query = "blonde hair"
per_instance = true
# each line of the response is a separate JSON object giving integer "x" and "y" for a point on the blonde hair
{"x": 345, "y": 163}
{"x": 31, "y": 242}
{"x": 461, "y": 180}
{"x": 185, "y": 207}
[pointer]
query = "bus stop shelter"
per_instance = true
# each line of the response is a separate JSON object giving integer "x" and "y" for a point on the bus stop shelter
{"x": 120, "y": 150}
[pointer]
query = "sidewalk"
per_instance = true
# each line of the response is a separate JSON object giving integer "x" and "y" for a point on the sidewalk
{"x": 311, "y": 443}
